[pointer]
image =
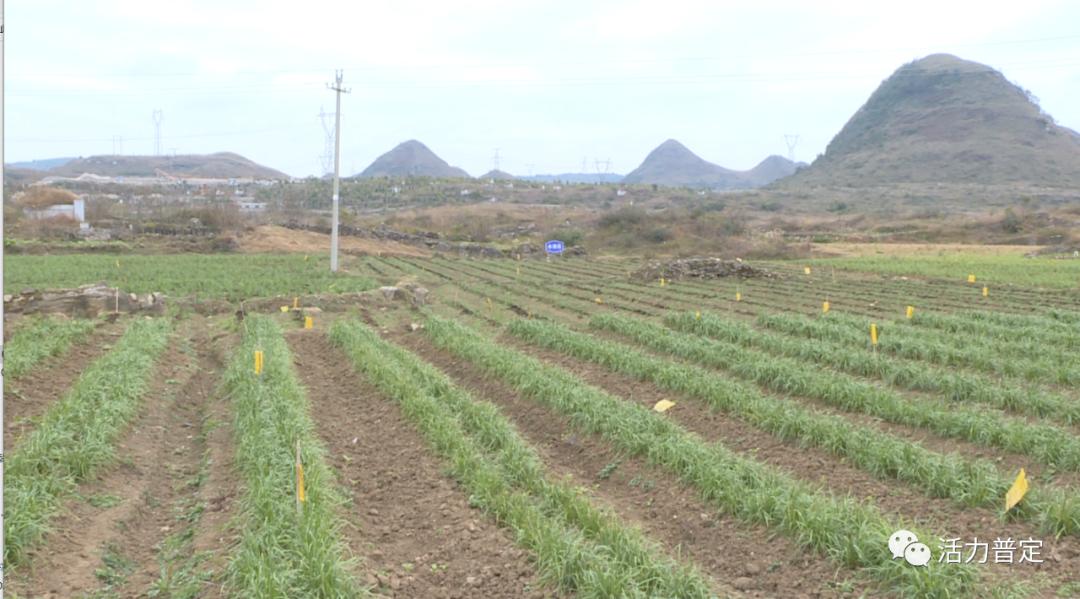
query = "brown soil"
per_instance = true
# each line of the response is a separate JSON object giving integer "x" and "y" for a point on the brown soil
{"x": 413, "y": 526}
{"x": 219, "y": 491}
{"x": 27, "y": 398}
{"x": 668, "y": 511}
{"x": 147, "y": 494}
{"x": 270, "y": 238}
{"x": 897, "y": 499}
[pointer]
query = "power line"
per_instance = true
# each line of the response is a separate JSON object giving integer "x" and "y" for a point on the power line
{"x": 694, "y": 79}
{"x": 151, "y": 138}
{"x": 668, "y": 60}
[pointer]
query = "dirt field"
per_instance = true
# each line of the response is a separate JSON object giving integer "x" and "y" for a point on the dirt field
{"x": 946, "y": 410}
{"x": 274, "y": 239}
{"x": 847, "y": 249}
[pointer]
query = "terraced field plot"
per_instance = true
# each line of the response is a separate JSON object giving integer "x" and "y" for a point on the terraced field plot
{"x": 501, "y": 440}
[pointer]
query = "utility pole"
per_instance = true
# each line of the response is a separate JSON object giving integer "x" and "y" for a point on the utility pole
{"x": 336, "y": 86}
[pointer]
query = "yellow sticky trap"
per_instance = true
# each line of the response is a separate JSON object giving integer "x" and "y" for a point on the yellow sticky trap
{"x": 309, "y": 322}
{"x": 825, "y": 307}
{"x": 300, "y": 483}
{"x": 117, "y": 264}
{"x": 910, "y": 312}
{"x": 873, "y": 333}
{"x": 258, "y": 362}
{"x": 971, "y": 278}
{"x": 663, "y": 405}
{"x": 806, "y": 269}
{"x": 305, "y": 258}
{"x": 662, "y": 281}
{"x": 697, "y": 314}
{"x": 738, "y": 296}
{"x": 284, "y": 308}
{"x": 295, "y": 303}
{"x": 1017, "y": 491}
{"x": 599, "y": 300}
{"x": 986, "y": 291}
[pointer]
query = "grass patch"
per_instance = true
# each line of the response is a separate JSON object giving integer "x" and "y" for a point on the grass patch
{"x": 226, "y": 276}
{"x": 43, "y": 338}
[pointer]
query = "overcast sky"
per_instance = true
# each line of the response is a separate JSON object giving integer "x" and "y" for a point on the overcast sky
{"x": 547, "y": 82}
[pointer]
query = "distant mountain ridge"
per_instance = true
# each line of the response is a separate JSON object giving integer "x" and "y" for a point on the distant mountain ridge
{"x": 221, "y": 165}
{"x": 942, "y": 119}
{"x": 41, "y": 164}
{"x": 412, "y": 159}
{"x": 575, "y": 178}
{"x": 673, "y": 164}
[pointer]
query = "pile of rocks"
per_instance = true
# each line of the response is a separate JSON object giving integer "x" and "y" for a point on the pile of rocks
{"x": 700, "y": 268}
{"x": 87, "y": 301}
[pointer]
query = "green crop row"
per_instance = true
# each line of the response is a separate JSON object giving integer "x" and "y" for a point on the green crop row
{"x": 850, "y": 532}
{"x": 925, "y": 346}
{"x": 1017, "y": 270}
{"x": 578, "y": 547}
{"x": 228, "y": 276}
{"x": 282, "y": 552}
{"x": 1049, "y": 444}
{"x": 77, "y": 434}
{"x": 955, "y": 386}
{"x": 975, "y": 324}
{"x": 43, "y": 338}
{"x": 967, "y": 482}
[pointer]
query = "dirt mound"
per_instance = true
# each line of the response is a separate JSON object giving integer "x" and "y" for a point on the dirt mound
{"x": 270, "y": 238}
{"x": 699, "y": 268}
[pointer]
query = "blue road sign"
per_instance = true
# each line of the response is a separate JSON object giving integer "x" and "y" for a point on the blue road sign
{"x": 554, "y": 246}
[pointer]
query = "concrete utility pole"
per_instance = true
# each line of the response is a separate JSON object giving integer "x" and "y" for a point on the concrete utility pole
{"x": 336, "y": 86}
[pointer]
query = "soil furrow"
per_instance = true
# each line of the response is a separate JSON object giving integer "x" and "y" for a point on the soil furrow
{"x": 749, "y": 558}
{"x": 412, "y": 524}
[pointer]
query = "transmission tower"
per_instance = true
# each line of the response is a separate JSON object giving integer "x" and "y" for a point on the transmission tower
{"x": 117, "y": 145}
{"x": 495, "y": 160}
{"x": 791, "y": 141}
{"x": 158, "y": 115}
{"x": 327, "y": 157}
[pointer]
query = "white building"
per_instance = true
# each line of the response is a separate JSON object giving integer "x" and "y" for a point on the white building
{"x": 76, "y": 210}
